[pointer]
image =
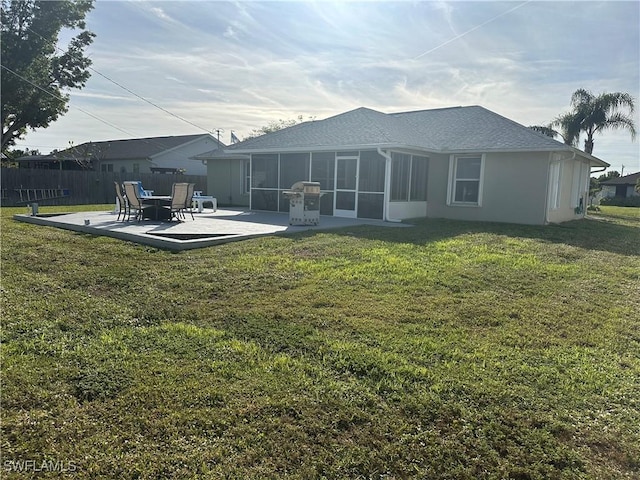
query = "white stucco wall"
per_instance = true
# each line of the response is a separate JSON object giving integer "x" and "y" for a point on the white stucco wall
{"x": 225, "y": 181}
{"x": 180, "y": 157}
{"x": 608, "y": 191}
{"x": 127, "y": 165}
{"x": 574, "y": 174}
{"x": 403, "y": 210}
{"x": 514, "y": 189}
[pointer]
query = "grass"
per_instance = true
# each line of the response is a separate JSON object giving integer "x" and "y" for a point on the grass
{"x": 450, "y": 350}
{"x": 618, "y": 212}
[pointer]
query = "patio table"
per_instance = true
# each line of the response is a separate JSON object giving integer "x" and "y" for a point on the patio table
{"x": 158, "y": 207}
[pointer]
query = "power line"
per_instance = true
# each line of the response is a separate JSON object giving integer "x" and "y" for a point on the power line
{"x": 146, "y": 140}
{"x": 471, "y": 30}
{"x": 127, "y": 89}
{"x": 62, "y": 99}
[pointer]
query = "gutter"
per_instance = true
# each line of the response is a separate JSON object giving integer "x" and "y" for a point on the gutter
{"x": 387, "y": 185}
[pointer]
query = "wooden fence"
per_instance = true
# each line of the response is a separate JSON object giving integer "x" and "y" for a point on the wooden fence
{"x": 21, "y": 186}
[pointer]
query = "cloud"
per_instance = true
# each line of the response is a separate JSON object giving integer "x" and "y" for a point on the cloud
{"x": 174, "y": 79}
{"x": 103, "y": 96}
{"x": 240, "y": 65}
{"x": 447, "y": 10}
{"x": 159, "y": 12}
{"x": 230, "y": 32}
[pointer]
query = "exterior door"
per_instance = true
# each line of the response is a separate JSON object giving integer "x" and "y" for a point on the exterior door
{"x": 346, "y": 185}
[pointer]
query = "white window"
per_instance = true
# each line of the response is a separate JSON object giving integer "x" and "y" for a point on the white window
{"x": 465, "y": 185}
{"x": 555, "y": 174}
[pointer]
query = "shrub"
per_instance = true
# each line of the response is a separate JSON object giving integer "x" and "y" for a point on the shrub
{"x": 621, "y": 201}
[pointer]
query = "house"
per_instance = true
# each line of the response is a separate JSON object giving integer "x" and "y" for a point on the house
{"x": 465, "y": 163}
{"x": 623, "y": 187}
{"x": 169, "y": 154}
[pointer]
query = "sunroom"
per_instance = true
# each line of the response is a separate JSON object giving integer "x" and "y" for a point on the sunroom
{"x": 376, "y": 184}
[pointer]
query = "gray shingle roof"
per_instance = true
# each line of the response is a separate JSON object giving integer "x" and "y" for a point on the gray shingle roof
{"x": 441, "y": 130}
{"x": 630, "y": 179}
{"x": 475, "y": 128}
{"x": 134, "y": 148}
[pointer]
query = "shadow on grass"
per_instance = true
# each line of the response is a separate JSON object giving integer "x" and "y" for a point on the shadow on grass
{"x": 592, "y": 234}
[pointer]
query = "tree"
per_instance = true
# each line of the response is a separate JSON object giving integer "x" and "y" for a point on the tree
{"x": 34, "y": 75}
{"x": 87, "y": 155}
{"x": 593, "y": 114}
{"x": 18, "y": 152}
{"x": 545, "y": 130}
{"x": 274, "y": 126}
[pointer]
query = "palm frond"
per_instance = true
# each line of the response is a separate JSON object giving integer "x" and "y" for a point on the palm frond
{"x": 570, "y": 126}
{"x": 581, "y": 97}
{"x": 545, "y": 130}
{"x": 609, "y": 102}
{"x": 619, "y": 121}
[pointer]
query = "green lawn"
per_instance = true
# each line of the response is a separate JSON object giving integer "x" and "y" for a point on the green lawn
{"x": 449, "y": 350}
{"x": 621, "y": 212}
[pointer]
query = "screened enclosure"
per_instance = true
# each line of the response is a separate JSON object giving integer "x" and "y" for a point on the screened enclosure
{"x": 352, "y": 182}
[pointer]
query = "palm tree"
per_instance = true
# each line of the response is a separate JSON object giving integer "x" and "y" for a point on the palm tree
{"x": 545, "y": 130}
{"x": 592, "y": 114}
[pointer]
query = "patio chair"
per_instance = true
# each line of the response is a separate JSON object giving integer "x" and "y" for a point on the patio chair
{"x": 142, "y": 192}
{"x": 131, "y": 191}
{"x": 179, "y": 192}
{"x": 188, "y": 204}
{"x": 122, "y": 201}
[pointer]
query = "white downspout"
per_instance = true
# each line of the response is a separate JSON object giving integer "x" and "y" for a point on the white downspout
{"x": 387, "y": 186}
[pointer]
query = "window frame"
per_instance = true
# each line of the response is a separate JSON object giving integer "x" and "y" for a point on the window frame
{"x": 453, "y": 180}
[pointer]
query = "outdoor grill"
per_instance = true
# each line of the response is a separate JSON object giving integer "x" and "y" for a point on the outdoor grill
{"x": 304, "y": 203}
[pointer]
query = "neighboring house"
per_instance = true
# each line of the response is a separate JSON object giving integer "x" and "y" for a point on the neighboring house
{"x": 621, "y": 186}
{"x": 138, "y": 155}
{"x": 464, "y": 163}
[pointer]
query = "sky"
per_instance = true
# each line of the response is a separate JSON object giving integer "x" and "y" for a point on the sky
{"x": 185, "y": 67}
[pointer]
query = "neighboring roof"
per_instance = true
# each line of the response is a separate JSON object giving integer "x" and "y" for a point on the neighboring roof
{"x": 221, "y": 154}
{"x": 445, "y": 130}
{"x": 34, "y": 158}
{"x": 134, "y": 148}
{"x": 630, "y": 179}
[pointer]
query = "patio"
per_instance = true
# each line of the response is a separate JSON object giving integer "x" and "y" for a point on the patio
{"x": 208, "y": 228}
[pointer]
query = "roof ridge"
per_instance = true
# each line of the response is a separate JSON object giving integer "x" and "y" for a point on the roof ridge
{"x": 147, "y": 138}
{"x": 521, "y": 126}
{"x": 432, "y": 109}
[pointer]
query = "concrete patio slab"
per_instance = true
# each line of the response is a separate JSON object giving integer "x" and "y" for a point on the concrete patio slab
{"x": 208, "y": 228}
